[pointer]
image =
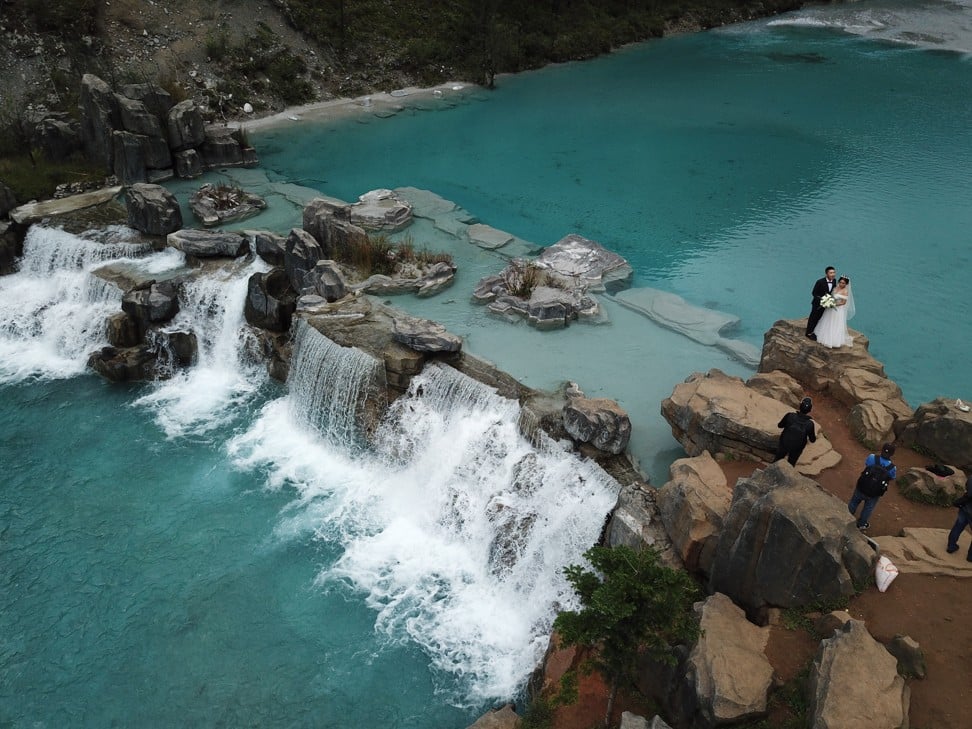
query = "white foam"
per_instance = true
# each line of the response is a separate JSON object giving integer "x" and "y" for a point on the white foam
{"x": 455, "y": 530}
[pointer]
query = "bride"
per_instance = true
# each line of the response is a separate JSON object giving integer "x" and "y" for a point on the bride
{"x": 832, "y": 329}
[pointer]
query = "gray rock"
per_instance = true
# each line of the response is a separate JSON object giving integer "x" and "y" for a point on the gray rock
{"x": 787, "y": 543}
{"x": 270, "y": 301}
{"x": 129, "y": 157}
{"x": 635, "y": 522}
{"x": 854, "y": 682}
{"x": 150, "y": 304}
{"x": 99, "y": 119}
{"x": 871, "y": 423}
{"x": 220, "y": 148}
{"x": 329, "y": 222}
{"x": 424, "y": 335}
{"x": 131, "y": 364}
{"x": 122, "y": 330}
{"x": 188, "y": 164}
{"x": 941, "y": 429}
{"x": 157, "y": 100}
{"x": 135, "y": 118}
{"x": 326, "y": 280}
{"x": 176, "y": 350}
{"x": 381, "y": 210}
{"x": 213, "y": 206}
{"x": 185, "y": 125}
{"x": 35, "y": 212}
{"x": 923, "y": 486}
{"x": 579, "y": 261}
{"x": 301, "y": 254}
{"x": 727, "y": 670}
{"x": 269, "y": 246}
{"x": 152, "y": 209}
{"x": 598, "y": 421}
{"x": 692, "y": 506}
{"x": 209, "y": 243}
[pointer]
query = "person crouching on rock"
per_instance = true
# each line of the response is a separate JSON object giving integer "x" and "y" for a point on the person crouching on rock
{"x": 797, "y": 430}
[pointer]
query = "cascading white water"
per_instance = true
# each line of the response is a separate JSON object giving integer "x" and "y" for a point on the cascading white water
{"x": 53, "y": 310}
{"x": 454, "y": 528}
{"x": 203, "y": 397}
{"x": 329, "y": 383}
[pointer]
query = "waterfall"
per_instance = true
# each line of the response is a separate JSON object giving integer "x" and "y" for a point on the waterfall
{"x": 53, "y": 310}
{"x": 329, "y": 384}
{"x": 453, "y": 527}
{"x": 225, "y": 374}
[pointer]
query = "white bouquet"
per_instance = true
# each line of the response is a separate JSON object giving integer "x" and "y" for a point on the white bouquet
{"x": 828, "y": 302}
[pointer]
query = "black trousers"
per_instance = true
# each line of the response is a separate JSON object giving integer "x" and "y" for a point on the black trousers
{"x": 815, "y": 313}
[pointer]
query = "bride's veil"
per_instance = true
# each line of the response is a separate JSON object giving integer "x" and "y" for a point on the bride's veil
{"x": 849, "y": 309}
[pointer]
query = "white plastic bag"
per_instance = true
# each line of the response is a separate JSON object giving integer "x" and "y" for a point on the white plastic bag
{"x": 884, "y": 573}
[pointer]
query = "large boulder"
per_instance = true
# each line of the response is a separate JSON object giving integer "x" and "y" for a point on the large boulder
{"x": 943, "y": 430}
{"x": 151, "y": 303}
{"x": 221, "y": 204}
{"x": 598, "y": 421}
{"x": 129, "y": 364}
{"x": 327, "y": 281}
{"x": 186, "y": 126}
{"x": 717, "y": 413}
{"x": 329, "y": 222}
{"x": 99, "y": 119}
{"x": 188, "y": 164}
{"x": 923, "y": 486}
{"x": 128, "y": 157}
{"x": 270, "y": 301}
{"x": 787, "y": 543}
{"x": 156, "y": 100}
{"x": 779, "y": 386}
{"x": 221, "y": 148}
{"x": 727, "y": 672}
{"x": 526, "y": 290}
{"x": 152, "y": 209}
{"x": 635, "y": 522}
{"x": 382, "y": 210}
{"x": 301, "y": 254}
{"x": 871, "y": 423}
{"x": 575, "y": 260}
{"x": 693, "y": 506}
{"x": 850, "y": 374}
{"x": 209, "y": 243}
{"x": 269, "y": 246}
{"x": 424, "y": 335}
{"x": 137, "y": 119}
{"x": 854, "y": 682}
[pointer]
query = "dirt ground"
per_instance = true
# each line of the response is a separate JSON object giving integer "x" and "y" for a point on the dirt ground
{"x": 929, "y": 609}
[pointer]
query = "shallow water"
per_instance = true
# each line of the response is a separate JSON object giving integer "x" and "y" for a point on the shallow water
{"x": 193, "y": 553}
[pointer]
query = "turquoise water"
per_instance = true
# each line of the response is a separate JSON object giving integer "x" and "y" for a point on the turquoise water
{"x": 187, "y": 554}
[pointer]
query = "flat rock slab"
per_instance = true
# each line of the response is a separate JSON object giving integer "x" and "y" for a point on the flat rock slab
{"x": 921, "y": 551}
{"x": 486, "y": 236}
{"x": 34, "y": 212}
{"x": 705, "y": 326}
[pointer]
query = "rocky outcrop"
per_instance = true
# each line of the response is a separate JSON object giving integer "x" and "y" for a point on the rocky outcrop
{"x": 152, "y": 209}
{"x": 99, "y": 119}
{"x": 854, "y": 682}
{"x": 270, "y": 301}
{"x": 423, "y": 284}
{"x": 718, "y": 413}
{"x": 382, "y": 210}
{"x": 218, "y": 205}
{"x": 131, "y": 364}
{"x": 787, "y": 543}
{"x": 635, "y": 522}
{"x": 11, "y": 247}
{"x": 326, "y": 280}
{"x": 778, "y": 386}
{"x": 209, "y": 243}
{"x": 577, "y": 262}
{"x": 328, "y": 221}
{"x": 871, "y": 423}
{"x": 503, "y": 718}
{"x": 185, "y": 126}
{"x": 941, "y": 429}
{"x": 269, "y": 246}
{"x": 727, "y": 672}
{"x": 151, "y": 303}
{"x": 849, "y": 374}
{"x": 911, "y": 658}
{"x": 598, "y": 421}
{"x": 301, "y": 254}
{"x": 921, "y": 551}
{"x": 424, "y": 335}
{"x": 222, "y": 147}
{"x": 522, "y": 291}
{"x": 693, "y": 506}
{"x": 923, "y": 486}
{"x": 26, "y": 215}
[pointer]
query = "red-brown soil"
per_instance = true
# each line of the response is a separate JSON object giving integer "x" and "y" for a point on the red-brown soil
{"x": 935, "y": 611}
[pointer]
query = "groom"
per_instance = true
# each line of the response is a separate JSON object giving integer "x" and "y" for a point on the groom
{"x": 822, "y": 287}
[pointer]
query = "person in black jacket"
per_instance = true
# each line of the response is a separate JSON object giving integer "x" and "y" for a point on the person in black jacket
{"x": 964, "y": 518}
{"x": 797, "y": 430}
{"x": 821, "y": 288}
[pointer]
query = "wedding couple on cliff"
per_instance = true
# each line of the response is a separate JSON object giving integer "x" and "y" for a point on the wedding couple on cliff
{"x": 833, "y": 305}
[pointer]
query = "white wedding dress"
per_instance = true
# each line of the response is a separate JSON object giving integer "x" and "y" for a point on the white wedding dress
{"x": 831, "y": 330}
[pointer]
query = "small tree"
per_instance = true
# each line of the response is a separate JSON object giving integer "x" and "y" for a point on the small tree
{"x": 631, "y": 604}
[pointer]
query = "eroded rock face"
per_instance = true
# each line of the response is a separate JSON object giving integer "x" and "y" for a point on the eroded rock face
{"x": 579, "y": 261}
{"x": 151, "y": 304}
{"x": 941, "y": 429}
{"x": 923, "y": 486}
{"x": 718, "y": 413}
{"x": 693, "y": 506}
{"x": 301, "y": 254}
{"x": 152, "y": 209}
{"x": 185, "y": 126}
{"x": 598, "y": 421}
{"x": 209, "y": 243}
{"x": 727, "y": 669}
{"x": 855, "y": 683}
{"x": 635, "y": 522}
{"x": 270, "y": 301}
{"x": 850, "y": 374}
{"x": 269, "y": 246}
{"x": 381, "y": 210}
{"x": 871, "y": 423}
{"x": 99, "y": 118}
{"x": 328, "y": 221}
{"x": 779, "y": 386}
{"x": 787, "y": 543}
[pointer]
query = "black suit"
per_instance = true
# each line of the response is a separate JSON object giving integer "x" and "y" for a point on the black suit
{"x": 820, "y": 288}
